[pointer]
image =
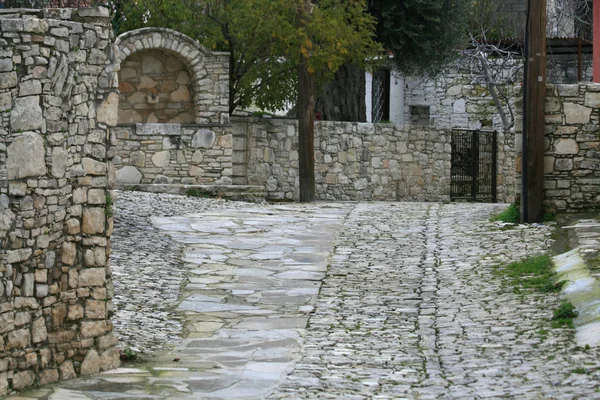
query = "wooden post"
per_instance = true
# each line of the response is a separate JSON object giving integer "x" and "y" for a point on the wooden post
{"x": 532, "y": 207}
{"x": 305, "y": 107}
{"x": 596, "y": 27}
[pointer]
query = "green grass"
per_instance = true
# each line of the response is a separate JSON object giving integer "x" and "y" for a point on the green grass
{"x": 579, "y": 370}
{"x": 563, "y": 316}
{"x": 533, "y": 273}
{"x": 510, "y": 215}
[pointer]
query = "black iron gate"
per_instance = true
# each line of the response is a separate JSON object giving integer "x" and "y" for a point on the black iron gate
{"x": 474, "y": 159}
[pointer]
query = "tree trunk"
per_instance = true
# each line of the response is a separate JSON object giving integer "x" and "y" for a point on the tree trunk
{"x": 344, "y": 97}
{"x": 305, "y": 108}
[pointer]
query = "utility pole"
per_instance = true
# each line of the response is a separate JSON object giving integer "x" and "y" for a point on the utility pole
{"x": 596, "y": 39}
{"x": 532, "y": 194}
{"x": 305, "y": 107}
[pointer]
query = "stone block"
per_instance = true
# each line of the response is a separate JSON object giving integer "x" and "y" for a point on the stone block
{"x": 91, "y": 363}
{"x": 95, "y": 309}
{"x": 23, "y": 379}
{"x": 92, "y": 277}
{"x": 96, "y": 196}
{"x": 204, "y": 138}
{"x": 128, "y": 175}
{"x": 30, "y": 88}
{"x": 26, "y": 114}
{"x": 75, "y": 312}
{"x": 91, "y": 329}
{"x": 3, "y": 384}
{"x": 38, "y": 331}
{"x": 60, "y": 160}
{"x": 67, "y": 371}
{"x": 564, "y": 164}
{"x": 7, "y": 322}
{"x": 548, "y": 165}
{"x": 577, "y": 114}
{"x": 8, "y": 80}
{"x": 26, "y": 157}
{"x": 93, "y": 167}
{"x": 110, "y": 359}
{"x": 48, "y": 376}
{"x": 138, "y": 158}
{"x": 566, "y": 146}
{"x": 158, "y": 129}
{"x": 161, "y": 159}
{"x": 108, "y": 111}
{"x": 18, "y": 339}
{"x": 72, "y": 226}
{"x": 106, "y": 341}
{"x": 94, "y": 221}
{"x": 592, "y": 99}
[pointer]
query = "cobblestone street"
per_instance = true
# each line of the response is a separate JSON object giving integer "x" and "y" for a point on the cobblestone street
{"x": 329, "y": 300}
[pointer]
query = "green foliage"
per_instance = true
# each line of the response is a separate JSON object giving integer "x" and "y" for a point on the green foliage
{"x": 487, "y": 22}
{"x": 422, "y": 35}
{"x": 533, "y": 273}
{"x": 266, "y": 40}
{"x": 195, "y": 192}
{"x": 128, "y": 354}
{"x": 579, "y": 370}
{"x": 511, "y": 215}
{"x": 564, "y": 315}
{"x": 108, "y": 210}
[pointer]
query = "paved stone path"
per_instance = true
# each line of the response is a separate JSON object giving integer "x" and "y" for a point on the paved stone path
{"x": 408, "y": 308}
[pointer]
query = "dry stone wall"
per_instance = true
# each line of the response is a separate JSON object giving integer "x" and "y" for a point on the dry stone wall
{"x": 354, "y": 161}
{"x": 572, "y": 147}
{"x": 173, "y": 154}
{"x": 56, "y": 102}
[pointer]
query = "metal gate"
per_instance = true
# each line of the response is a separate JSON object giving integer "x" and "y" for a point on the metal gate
{"x": 474, "y": 159}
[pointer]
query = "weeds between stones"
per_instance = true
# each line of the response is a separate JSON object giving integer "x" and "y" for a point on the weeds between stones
{"x": 563, "y": 316}
{"x": 512, "y": 215}
{"x": 535, "y": 274}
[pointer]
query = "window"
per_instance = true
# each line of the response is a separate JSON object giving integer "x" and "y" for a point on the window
{"x": 381, "y": 96}
{"x": 419, "y": 115}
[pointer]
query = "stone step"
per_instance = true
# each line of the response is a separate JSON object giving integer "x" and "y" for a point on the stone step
{"x": 231, "y": 192}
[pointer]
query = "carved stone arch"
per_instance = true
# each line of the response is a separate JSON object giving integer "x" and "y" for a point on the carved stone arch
{"x": 191, "y": 53}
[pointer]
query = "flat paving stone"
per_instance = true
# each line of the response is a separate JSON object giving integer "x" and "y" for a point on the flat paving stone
{"x": 331, "y": 300}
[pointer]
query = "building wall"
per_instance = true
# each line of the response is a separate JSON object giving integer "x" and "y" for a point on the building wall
{"x": 572, "y": 148}
{"x": 56, "y": 101}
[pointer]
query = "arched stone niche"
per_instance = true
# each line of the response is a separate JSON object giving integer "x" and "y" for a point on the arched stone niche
{"x": 173, "y": 122}
{"x": 208, "y": 73}
{"x": 155, "y": 87}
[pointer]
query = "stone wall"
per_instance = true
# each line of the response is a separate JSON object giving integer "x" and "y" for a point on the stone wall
{"x": 572, "y": 148}
{"x": 173, "y": 154}
{"x": 55, "y": 223}
{"x": 354, "y": 161}
{"x": 208, "y": 72}
{"x": 155, "y": 87}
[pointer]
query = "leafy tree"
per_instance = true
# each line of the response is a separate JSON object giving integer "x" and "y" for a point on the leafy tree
{"x": 257, "y": 74}
{"x": 420, "y": 36}
{"x": 273, "y": 45}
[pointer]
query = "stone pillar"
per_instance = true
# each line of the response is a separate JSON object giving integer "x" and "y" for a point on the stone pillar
{"x": 56, "y": 104}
